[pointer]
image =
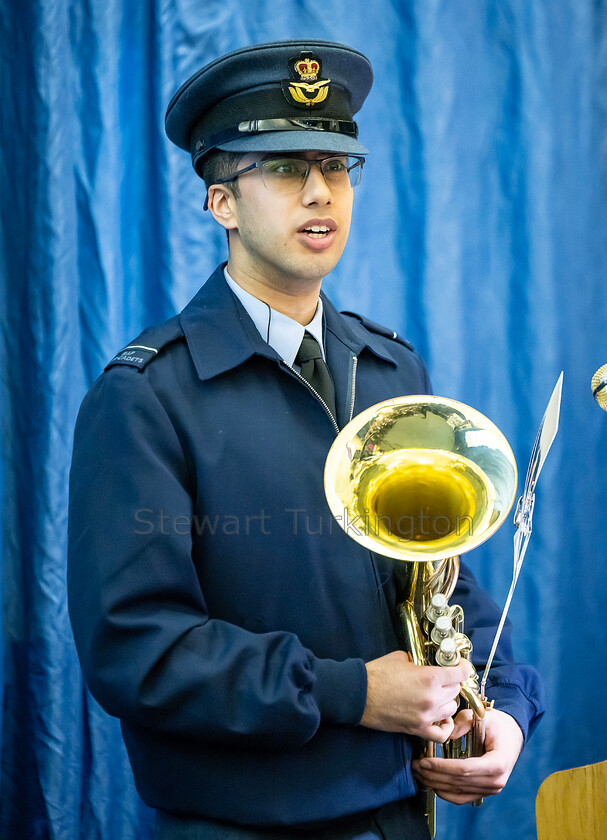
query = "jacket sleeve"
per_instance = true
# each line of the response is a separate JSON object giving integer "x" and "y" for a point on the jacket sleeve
{"x": 516, "y": 688}
{"x": 149, "y": 650}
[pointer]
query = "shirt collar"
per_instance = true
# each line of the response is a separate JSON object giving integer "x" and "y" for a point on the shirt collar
{"x": 221, "y": 335}
{"x": 282, "y": 333}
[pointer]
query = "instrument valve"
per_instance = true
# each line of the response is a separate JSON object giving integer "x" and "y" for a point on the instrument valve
{"x": 438, "y": 607}
{"x": 443, "y": 629}
{"x": 448, "y": 654}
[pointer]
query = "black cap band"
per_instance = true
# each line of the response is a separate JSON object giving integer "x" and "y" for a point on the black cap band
{"x": 248, "y": 127}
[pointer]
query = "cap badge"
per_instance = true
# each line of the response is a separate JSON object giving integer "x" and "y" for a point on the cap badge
{"x": 305, "y": 88}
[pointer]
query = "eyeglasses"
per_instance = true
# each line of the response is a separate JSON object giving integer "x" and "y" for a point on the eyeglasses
{"x": 288, "y": 174}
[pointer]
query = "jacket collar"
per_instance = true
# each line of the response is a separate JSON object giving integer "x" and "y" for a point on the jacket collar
{"x": 221, "y": 335}
{"x": 219, "y": 332}
{"x": 353, "y": 334}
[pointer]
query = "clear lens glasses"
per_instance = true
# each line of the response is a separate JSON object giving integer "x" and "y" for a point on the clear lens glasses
{"x": 290, "y": 174}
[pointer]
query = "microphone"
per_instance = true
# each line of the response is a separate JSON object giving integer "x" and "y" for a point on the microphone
{"x": 599, "y": 387}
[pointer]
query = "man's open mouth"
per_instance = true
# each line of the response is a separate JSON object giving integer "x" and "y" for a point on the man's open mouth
{"x": 318, "y": 228}
{"x": 317, "y": 231}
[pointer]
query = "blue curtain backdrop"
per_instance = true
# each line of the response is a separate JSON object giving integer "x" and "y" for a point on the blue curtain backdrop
{"x": 480, "y": 232}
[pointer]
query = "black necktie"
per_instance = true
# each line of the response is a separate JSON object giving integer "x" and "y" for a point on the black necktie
{"x": 315, "y": 371}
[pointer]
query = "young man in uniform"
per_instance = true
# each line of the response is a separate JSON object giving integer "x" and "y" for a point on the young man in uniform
{"x": 245, "y": 641}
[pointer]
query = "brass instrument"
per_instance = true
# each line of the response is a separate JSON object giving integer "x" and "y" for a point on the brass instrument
{"x": 423, "y": 479}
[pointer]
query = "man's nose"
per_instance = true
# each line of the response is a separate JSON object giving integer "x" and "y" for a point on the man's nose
{"x": 316, "y": 190}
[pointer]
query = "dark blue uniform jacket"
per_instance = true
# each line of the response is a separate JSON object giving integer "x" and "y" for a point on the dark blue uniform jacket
{"x": 218, "y": 609}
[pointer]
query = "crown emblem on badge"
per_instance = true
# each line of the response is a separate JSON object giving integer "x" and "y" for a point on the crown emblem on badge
{"x": 306, "y": 88}
{"x": 307, "y": 69}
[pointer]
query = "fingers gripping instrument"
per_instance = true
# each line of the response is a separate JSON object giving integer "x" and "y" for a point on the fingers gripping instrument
{"x": 444, "y": 626}
{"x": 446, "y": 644}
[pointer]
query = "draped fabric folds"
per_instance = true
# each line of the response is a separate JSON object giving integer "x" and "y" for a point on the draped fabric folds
{"x": 479, "y": 232}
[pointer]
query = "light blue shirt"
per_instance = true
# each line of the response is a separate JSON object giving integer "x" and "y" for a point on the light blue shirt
{"x": 282, "y": 333}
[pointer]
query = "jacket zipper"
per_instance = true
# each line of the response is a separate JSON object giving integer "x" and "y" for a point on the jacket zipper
{"x": 353, "y": 386}
{"x": 317, "y": 395}
{"x": 320, "y": 399}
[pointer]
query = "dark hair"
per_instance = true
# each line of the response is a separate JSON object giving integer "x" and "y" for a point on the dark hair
{"x": 217, "y": 166}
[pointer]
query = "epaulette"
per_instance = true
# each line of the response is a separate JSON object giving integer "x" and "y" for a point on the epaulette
{"x": 140, "y": 352}
{"x": 377, "y": 328}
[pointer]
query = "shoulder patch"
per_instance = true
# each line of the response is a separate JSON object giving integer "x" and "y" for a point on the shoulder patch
{"x": 148, "y": 345}
{"x": 136, "y": 355}
{"x": 372, "y": 326}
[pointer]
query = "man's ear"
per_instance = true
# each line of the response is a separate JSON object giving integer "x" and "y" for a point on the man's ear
{"x": 222, "y": 204}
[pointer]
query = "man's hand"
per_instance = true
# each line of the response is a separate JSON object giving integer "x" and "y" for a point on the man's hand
{"x": 461, "y": 780}
{"x": 416, "y": 699}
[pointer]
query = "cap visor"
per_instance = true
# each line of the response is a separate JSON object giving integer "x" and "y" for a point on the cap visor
{"x": 296, "y": 141}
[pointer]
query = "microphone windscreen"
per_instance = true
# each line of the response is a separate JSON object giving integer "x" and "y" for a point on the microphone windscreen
{"x": 599, "y": 387}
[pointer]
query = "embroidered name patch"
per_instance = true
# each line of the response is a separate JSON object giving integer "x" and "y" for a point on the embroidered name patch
{"x": 135, "y": 355}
